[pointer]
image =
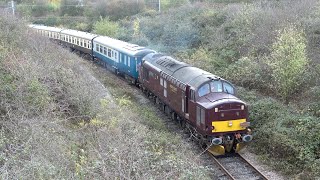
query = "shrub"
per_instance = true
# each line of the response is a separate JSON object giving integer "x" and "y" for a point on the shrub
{"x": 118, "y": 9}
{"x": 68, "y": 8}
{"x": 288, "y": 61}
{"x": 106, "y": 27}
{"x": 247, "y": 73}
{"x": 172, "y": 31}
{"x": 168, "y": 4}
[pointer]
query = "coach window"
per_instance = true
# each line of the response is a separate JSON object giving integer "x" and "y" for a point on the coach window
{"x": 85, "y": 44}
{"x": 125, "y": 60}
{"x": 109, "y": 52}
{"x": 115, "y": 55}
{"x": 105, "y": 51}
{"x": 97, "y": 47}
{"x": 129, "y": 61}
{"x": 101, "y": 49}
{"x": 89, "y": 44}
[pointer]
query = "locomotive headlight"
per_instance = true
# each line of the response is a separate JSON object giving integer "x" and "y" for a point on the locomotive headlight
{"x": 216, "y": 109}
{"x": 242, "y": 107}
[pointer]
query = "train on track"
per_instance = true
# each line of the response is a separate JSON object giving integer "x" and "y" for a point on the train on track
{"x": 203, "y": 103}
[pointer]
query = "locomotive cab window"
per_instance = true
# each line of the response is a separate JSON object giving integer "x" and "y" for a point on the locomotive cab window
{"x": 228, "y": 88}
{"x": 204, "y": 90}
{"x": 216, "y": 86}
{"x": 221, "y": 86}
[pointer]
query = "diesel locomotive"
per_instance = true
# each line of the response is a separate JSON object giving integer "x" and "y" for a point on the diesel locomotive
{"x": 203, "y": 103}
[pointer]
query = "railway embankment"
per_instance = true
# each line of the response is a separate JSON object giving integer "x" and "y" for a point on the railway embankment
{"x": 58, "y": 122}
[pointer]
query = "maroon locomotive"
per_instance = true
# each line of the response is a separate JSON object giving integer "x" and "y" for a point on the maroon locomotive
{"x": 200, "y": 101}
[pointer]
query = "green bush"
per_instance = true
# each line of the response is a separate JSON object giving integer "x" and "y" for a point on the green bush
{"x": 107, "y": 28}
{"x": 118, "y": 9}
{"x": 292, "y": 138}
{"x": 172, "y": 31}
{"x": 247, "y": 73}
{"x": 68, "y": 8}
{"x": 168, "y": 4}
{"x": 288, "y": 61}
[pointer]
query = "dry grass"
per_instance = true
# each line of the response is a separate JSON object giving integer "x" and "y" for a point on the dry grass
{"x": 58, "y": 122}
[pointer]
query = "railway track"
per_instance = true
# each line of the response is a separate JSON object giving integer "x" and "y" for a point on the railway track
{"x": 236, "y": 167}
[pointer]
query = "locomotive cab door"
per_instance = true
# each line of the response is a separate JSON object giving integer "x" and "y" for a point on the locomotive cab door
{"x": 186, "y": 96}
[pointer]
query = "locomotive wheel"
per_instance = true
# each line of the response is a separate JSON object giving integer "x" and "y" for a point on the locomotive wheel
{"x": 157, "y": 100}
{"x": 182, "y": 123}
{"x": 174, "y": 116}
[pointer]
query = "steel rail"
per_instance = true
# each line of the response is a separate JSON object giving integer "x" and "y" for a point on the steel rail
{"x": 222, "y": 168}
{"x": 260, "y": 174}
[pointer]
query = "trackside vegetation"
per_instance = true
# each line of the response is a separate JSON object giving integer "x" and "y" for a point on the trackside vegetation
{"x": 59, "y": 122}
{"x": 269, "y": 49}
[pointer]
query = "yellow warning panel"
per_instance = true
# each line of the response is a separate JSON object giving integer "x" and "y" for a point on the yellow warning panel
{"x": 228, "y": 125}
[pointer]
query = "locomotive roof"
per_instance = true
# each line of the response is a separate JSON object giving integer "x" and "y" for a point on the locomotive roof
{"x": 46, "y": 28}
{"x": 128, "y": 48}
{"x": 80, "y": 34}
{"x": 185, "y": 73}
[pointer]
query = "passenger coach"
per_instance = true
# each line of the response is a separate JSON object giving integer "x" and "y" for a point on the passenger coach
{"x": 122, "y": 57}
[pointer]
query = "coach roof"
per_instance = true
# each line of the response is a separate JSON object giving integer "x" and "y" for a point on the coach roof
{"x": 45, "y": 28}
{"x": 80, "y": 34}
{"x": 124, "y": 47}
